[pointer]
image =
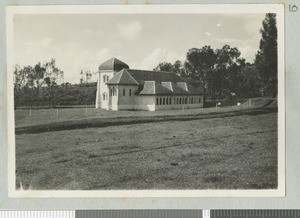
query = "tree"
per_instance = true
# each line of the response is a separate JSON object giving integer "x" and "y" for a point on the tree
{"x": 176, "y": 68}
{"x": 19, "y": 83}
{"x": 53, "y": 76}
{"x": 199, "y": 67}
{"x": 250, "y": 82}
{"x": 38, "y": 77}
{"x": 266, "y": 57}
{"x": 227, "y": 68}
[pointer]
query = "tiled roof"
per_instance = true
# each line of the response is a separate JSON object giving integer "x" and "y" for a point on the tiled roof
{"x": 158, "y": 76}
{"x": 113, "y": 64}
{"x": 154, "y": 88}
{"x": 189, "y": 88}
{"x": 154, "y": 82}
{"x": 175, "y": 88}
{"x": 122, "y": 78}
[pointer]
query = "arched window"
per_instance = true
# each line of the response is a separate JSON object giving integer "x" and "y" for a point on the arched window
{"x": 160, "y": 101}
{"x": 124, "y": 92}
{"x": 129, "y": 92}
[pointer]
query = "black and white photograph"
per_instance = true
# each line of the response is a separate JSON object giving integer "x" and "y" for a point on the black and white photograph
{"x": 146, "y": 100}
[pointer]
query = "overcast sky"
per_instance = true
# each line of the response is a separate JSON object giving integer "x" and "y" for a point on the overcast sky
{"x": 142, "y": 41}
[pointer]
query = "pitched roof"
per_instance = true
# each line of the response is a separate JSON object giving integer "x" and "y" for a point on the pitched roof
{"x": 113, "y": 64}
{"x": 154, "y": 82}
{"x": 154, "y": 88}
{"x": 158, "y": 76}
{"x": 123, "y": 78}
{"x": 175, "y": 88}
{"x": 192, "y": 90}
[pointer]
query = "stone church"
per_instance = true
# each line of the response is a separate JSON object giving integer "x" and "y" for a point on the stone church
{"x": 122, "y": 88}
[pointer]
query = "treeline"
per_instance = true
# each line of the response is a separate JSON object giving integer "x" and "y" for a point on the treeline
{"x": 42, "y": 85}
{"x": 66, "y": 95}
{"x": 224, "y": 74}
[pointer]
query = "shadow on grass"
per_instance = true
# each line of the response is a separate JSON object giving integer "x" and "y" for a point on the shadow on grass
{"x": 105, "y": 122}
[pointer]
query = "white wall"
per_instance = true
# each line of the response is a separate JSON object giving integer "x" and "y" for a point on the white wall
{"x": 103, "y": 88}
{"x": 146, "y": 102}
{"x": 175, "y": 102}
{"x": 127, "y": 102}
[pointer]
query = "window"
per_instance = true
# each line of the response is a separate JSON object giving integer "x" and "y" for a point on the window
{"x": 179, "y": 100}
{"x": 167, "y": 101}
{"x": 170, "y": 100}
{"x": 103, "y": 78}
{"x": 157, "y": 101}
{"x": 124, "y": 92}
{"x": 185, "y": 100}
{"x": 160, "y": 101}
{"x": 114, "y": 91}
{"x": 110, "y": 92}
{"x": 192, "y": 100}
{"x": 199, "y": 99}
{"x": 129, "y": 92}
{"x": 164, "y": 101}
{"x": 103, "y": 96}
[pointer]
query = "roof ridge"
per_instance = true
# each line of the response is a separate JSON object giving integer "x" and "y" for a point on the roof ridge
{"x": 154, "y": 71}
{"x": 113, "y": 63}
{"x": 131, "y": 76}
{"x": 121, "y": 74}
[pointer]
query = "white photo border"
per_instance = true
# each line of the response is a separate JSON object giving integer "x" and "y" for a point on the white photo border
{"x": 146, "y": 9}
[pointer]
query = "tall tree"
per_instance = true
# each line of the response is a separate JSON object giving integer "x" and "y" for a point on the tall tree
{"x": 199, "y": 66}
{"x": 249, "y": 82}
{"x": 227, "y": 68}
{"x": 39, "y": 72}
{"x": 266, "y": 58}
{"x": 53, "y": 76}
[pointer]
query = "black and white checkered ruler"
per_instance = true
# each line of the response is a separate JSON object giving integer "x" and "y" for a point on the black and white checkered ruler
{"x": 255, "y": 213}
{"x": 153, "y": 214}
{"x": 37, "y": 214}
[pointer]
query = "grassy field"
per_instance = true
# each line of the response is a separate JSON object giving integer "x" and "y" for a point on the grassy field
{"x": 238, "y": 152}
{"x": 26, "y": 117}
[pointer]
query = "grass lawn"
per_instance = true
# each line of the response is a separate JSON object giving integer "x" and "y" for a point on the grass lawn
{"x": 238, "y": 152}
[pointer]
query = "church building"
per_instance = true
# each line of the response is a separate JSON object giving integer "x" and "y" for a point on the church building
{"x": 121, "y": 88}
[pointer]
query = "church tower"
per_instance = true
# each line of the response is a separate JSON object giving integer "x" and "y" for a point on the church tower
{"x": 106, "y": 71}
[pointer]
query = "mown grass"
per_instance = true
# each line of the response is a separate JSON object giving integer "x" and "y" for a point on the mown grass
{"x": 238, "y": 152}
{"x": 43, "y": 120}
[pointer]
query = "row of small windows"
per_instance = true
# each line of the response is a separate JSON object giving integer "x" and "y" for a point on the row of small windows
{"x": 177, "y": 100}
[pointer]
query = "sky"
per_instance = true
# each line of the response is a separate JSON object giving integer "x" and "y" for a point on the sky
{"x": 84, "y": 41}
